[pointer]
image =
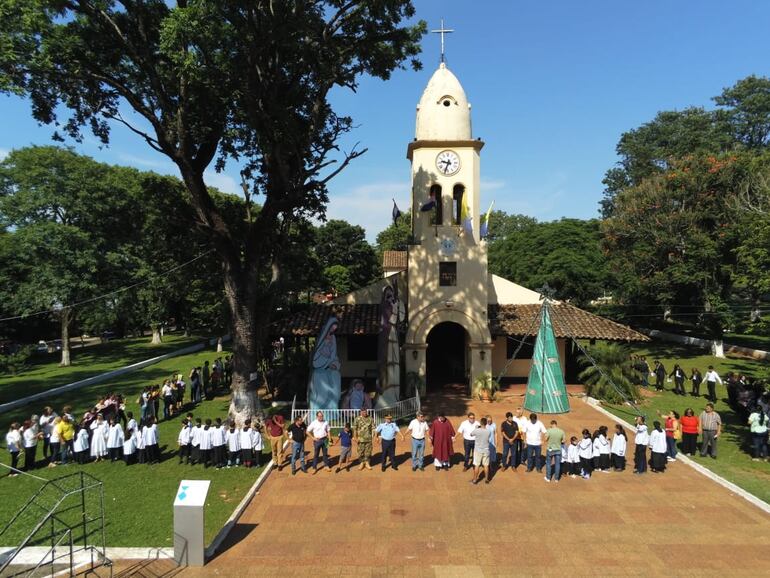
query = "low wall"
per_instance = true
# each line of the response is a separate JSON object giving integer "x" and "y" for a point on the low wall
{"x": 102, "y": 377}
{"x": 706, "y": 344}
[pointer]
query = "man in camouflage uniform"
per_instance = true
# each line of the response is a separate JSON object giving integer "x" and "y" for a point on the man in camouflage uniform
{"x": 363, "y": 432}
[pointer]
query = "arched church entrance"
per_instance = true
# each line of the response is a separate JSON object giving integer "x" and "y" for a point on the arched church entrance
{"x": 446, "y": 355}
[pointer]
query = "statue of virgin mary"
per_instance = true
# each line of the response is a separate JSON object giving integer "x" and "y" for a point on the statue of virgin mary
{"x": 325, "y": 384}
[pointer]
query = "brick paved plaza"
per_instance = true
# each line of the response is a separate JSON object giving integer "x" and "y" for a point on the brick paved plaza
{"x": 430, "y": 523}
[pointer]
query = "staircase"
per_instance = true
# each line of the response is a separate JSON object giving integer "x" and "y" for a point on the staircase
{"x": 60, "y": 527}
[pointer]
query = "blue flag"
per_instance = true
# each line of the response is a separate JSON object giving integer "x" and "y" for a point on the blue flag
{"x": 396, "y": 213}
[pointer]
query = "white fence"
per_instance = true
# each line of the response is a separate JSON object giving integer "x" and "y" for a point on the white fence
{"x": 337, "y": 418}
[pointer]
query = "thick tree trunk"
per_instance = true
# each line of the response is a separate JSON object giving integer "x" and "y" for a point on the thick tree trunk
{"x": 247, "y": 321}
{"x": 66, "y": 319}
{"x": 717, "y": 348}
{"x": 157, "y": 336}
{"x": 667, "y": 313}
{"x": 219, "y": 344}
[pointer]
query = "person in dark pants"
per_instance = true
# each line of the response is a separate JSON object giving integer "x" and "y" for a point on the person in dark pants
{"x": 711, "y": 379}
{"x": 13, "y": 443}
{"x": 465, "y": 429}
{"x": 387, "y": 433}
{"x": 510, "y": 432}
{"x": 30, "y": 437}
{"x": 660, "y": 375}
{"x": 696, "y": 378}
{"x": 642, "y": 440}
{"x": 678, "y": 375}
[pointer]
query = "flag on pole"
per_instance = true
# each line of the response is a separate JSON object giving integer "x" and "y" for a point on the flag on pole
{"x": 396, "y": 213}
{"x": 484, "y": 228}
{"x": 429, "y": 204}
{"x": 465, "y": 215}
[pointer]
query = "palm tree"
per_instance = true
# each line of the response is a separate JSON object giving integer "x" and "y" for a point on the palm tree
{"x": 613, "y": 360}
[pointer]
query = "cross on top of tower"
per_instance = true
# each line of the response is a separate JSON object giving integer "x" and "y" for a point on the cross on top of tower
{"x": 442, "y": 31}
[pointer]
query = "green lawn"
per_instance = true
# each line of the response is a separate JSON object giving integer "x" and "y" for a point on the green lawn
{"x": 749, "y": 340}
{"x": 734, "y": 460}
{"x": 45, "y": 373}
{"x": 139, "y": 498}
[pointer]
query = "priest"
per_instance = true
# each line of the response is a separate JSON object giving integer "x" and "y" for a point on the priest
{"x": 441, "y": 433}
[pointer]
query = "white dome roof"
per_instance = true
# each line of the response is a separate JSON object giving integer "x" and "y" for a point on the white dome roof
{"x": 444, "y": 112}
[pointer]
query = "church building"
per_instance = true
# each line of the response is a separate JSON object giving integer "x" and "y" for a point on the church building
{"x": 455, "y": 320}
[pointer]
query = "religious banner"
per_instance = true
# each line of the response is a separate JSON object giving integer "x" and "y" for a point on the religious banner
{"x": 546, "y": 391}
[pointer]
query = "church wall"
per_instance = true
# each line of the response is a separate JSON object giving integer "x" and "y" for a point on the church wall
{"x": 350, "y": 369}
{"x": 520, "y": 367}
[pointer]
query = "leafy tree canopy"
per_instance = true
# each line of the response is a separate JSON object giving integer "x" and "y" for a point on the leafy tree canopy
{"x": 566, "y": 254}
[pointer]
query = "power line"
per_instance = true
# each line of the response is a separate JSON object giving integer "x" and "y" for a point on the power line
{"x": 111, "y": 293}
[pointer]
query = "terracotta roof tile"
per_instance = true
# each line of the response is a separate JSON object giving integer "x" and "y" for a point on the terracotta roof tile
{"x": 364, "y": 319}
{"x": 354, "y": 320}
{"x": 394, "y": 260}
{"x": 566, "y": 319}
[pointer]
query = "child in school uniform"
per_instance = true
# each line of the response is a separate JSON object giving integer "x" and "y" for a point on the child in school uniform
{"x": 595, "y": 451}
{"x": 641, "y": 440}
{"x": 80, "y": 446}
{"x": 564, "y": 472}
{"x": 586, "y": 454}
{"x": 346, "y": 447}
{"x": 115, "y": 439}
{"x": 139, "y": 443}
{"x": 204, "y": 447}
{"x": 573, "y": 458}
{"x": 658, "y": 448}
{"x": 233, "y": 440}
{"x": 257, "y": 446}
{"x": 604, "y": 450}
{"x": 129, "y": 447}
{"x": 195, "y": 441}
{"x": 247, "y": 444}
{"x": 150, "y": 435}
{"x": 218, "y": 444}
{"x": 183, "y": 441}
{"x": 618, "y": 449}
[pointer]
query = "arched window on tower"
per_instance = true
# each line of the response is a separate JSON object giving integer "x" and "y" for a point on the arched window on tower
{"x": 438, "y": 215}
{"x": 457, "y": 203}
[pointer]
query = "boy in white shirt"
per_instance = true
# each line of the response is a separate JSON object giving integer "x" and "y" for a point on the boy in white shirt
{"x": 218, "y": 443}
{"x": 247, "y": 444}
{"x": 183, "y": 440}
{"x": 233, "y": 440}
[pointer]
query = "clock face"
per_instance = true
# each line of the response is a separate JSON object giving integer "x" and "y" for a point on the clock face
{"x": 447, "y": 162}
{"x": 448, "y": 245}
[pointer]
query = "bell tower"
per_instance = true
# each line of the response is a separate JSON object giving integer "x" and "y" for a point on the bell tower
{"x": 447, "y": 265}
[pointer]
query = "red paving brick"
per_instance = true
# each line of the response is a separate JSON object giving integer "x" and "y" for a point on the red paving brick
{"x": 432, "y": 523}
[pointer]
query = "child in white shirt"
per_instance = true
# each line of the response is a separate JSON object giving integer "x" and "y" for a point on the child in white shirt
{"x": 183, "y": 440}
{"x": 233, "y": 440}
{"x": 80, "y": 446}
{"x": 586, "y": 454}
{"x": 573, "y": 458}
{"x": 618, "y": 449}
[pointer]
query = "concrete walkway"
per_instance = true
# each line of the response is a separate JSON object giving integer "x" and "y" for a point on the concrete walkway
{"x": 404, "y": 523}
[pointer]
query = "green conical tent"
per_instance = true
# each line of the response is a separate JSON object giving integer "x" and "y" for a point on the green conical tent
{"x": 546, "y": 392}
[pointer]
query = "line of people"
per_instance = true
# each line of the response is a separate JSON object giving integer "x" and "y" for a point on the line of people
{"x": 678, "y": 376}
{"x": 523, "y": 440}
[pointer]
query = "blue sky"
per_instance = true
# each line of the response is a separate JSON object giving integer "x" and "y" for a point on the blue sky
{"x": 553, "y": 85}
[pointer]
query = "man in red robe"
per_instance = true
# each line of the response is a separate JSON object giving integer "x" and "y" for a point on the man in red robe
{"x": 441, "y": 433}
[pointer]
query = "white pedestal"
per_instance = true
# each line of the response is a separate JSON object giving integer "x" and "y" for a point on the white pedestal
{"x": 189, "y": 545}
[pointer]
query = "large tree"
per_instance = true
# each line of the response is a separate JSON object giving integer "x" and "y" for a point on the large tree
{"x": 672, "y": 239}
{"x": 211, "y": 82}
{"x": 566, "y": 254}
{"x": 338, "y": 243}
{"x": 71, "y": 218}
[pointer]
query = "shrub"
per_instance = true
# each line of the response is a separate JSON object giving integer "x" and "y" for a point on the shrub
{"x": 615, "y": 364}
